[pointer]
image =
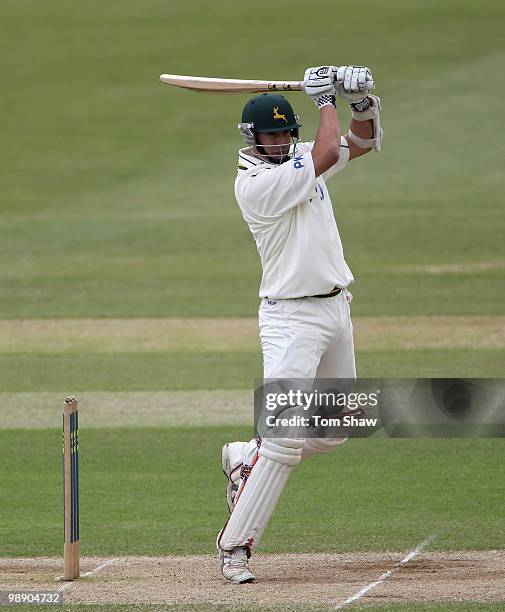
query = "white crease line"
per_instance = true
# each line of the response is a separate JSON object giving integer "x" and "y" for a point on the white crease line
{"x": 65, "y": 586}
{"x": 413, "y": 553}
{"x": 86, "y": 574}
{"x": 100, "y": 567}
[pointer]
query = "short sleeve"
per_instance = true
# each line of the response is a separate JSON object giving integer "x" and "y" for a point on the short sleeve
{"x": 342, "y": 160}
{"x": 273, "y": 190}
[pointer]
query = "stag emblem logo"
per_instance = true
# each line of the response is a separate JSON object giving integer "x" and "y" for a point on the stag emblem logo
{"x": 277, "y": 115}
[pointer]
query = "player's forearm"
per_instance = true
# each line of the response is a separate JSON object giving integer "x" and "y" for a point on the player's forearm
{"x": 326, "y": 150}
{"x": 354, "y": 84}
{"x": 328, "y": 133}
{"x": 363, "y": 129}
{"x": 319, "y": 84}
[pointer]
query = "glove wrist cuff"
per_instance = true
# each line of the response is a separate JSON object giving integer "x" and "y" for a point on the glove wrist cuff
{"x": 361, "y": 106}
{"x": 369, "y": 112}
{"x": 325, "y": 100}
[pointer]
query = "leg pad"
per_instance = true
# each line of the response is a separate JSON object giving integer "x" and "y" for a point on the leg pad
{"x": 259, "y": 496}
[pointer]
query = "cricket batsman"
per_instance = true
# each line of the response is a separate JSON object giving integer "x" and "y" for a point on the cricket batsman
{"x": 304, "y": 315}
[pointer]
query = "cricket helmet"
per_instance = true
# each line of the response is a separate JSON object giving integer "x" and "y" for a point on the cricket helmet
{"x": 267, "y": 112}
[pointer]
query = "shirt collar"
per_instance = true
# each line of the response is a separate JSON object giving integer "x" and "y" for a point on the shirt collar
{"x": 247, "y": 161}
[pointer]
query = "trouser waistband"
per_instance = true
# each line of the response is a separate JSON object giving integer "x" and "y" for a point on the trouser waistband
{"x": 335, "y": 291}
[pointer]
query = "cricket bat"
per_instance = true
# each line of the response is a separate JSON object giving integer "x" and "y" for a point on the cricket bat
{"x": 216, "y": 85}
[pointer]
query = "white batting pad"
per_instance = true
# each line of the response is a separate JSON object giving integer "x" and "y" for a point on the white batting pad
{"x": 319, "y": 446}
{"x": 261, "y": 492}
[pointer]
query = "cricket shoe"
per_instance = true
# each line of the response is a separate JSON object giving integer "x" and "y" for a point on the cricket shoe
{"x": 235, "y": 565}
{"x": 231, "y": 458}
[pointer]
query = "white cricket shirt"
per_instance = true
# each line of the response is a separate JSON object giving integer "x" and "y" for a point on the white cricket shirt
{"x": 290, "y": 215}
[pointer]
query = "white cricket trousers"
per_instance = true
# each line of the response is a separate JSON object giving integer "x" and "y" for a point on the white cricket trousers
{"x": 300, "y": 338}
{"x": 306, "y": 338}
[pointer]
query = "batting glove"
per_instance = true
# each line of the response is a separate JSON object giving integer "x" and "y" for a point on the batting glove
{"x": 318, "y": 83}
{"x": 353, "y": 84}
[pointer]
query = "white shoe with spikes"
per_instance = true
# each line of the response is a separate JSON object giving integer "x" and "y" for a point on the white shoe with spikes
{"x": 235, "y": 565}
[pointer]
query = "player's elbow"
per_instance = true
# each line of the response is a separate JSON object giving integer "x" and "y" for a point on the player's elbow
{"x": 325, "y": 155}
{"x": 357, "y": 152}
{"x": 333, "y": 151}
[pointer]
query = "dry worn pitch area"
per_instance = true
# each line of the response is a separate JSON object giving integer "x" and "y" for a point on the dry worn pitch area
{"x": 294, "y": 579}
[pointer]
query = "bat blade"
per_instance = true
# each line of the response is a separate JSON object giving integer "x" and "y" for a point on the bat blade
{"x": 216, "y": 85}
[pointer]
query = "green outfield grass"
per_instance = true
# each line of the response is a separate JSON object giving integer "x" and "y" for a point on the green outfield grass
{"x": 160, "y": 491}
{"x": 117, "y": 203}
{"x": 117, "y": 191}
{"x": 216, "y": 370}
